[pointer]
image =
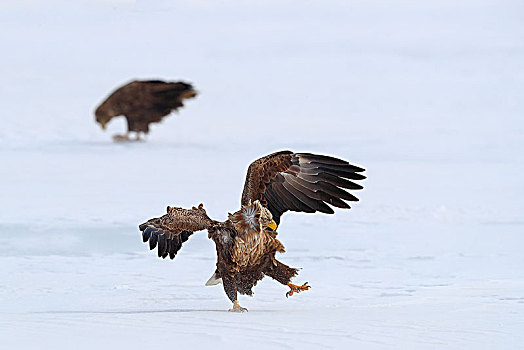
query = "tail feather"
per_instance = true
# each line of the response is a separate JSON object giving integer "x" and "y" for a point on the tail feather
{"x": 214, "y": 279}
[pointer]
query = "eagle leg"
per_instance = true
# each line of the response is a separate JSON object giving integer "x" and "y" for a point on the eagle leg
{"x": 231, "y": 291}
{"x": 237, "y": 307}
{"x": 296, "y": 289}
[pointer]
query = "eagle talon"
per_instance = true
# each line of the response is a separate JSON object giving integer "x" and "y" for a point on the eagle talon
{"x": 296, "y": 289}
{"x": 237, "y": 308}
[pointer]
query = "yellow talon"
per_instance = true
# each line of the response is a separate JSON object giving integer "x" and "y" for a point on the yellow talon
{"x": 237, "y": 308}
{"x": 296, "y": 289}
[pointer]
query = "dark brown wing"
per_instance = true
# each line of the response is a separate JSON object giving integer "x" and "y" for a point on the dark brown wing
{"x": 169, "y": 231}
{"x": 144, "y": 98}
{"x": 169, "y": 95}
{"x": 158, "y": 96}
{"x": 302, "y": 182}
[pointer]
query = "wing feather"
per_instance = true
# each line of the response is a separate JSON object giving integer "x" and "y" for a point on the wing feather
{"x": 332, "y": 179}
{"x": 318, "y": 197}
{"x": 308, "y": 196}
{"x": 168, "y": 232}
{"x": 291, "y": 202}
{"x": 304, "y": 203}
{"x": 274, "y": 200}
{"x": 302, "y": 182}
{"x": 310, "y": 157}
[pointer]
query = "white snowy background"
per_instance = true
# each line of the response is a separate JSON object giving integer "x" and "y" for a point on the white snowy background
{"x": 426, "y": 95}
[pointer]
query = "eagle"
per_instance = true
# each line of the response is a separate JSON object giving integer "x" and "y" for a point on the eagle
{"x": 143, "y": 103}
{"x": 246, "y": 243}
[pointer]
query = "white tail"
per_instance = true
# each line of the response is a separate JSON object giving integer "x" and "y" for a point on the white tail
{"x": 213, "y": 280}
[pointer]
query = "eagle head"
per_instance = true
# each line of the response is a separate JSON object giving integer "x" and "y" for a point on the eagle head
{"x": 252, "y": 217}
{"x": 267, "y": 219}
{"x": 103, "y": 115}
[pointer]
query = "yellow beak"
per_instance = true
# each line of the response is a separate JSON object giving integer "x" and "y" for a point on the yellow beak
{"x": 272, "y": 225}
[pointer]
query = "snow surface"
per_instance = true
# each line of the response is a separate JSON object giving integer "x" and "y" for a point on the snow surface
{"x": 426, "y": 95}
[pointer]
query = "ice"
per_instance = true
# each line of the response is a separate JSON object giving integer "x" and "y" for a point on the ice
{"x": 426, "y": 95}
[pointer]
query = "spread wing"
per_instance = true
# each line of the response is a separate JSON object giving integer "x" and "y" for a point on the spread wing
{"x": 301, "y": 182}
{"x": 169, "y": 231}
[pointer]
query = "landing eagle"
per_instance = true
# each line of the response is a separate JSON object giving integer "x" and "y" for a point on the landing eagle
{"x": 246, "y": 243}
{"x": 143, "y": 103}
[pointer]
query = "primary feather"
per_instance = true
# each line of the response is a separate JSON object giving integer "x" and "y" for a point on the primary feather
{"x": 302, "y": 182}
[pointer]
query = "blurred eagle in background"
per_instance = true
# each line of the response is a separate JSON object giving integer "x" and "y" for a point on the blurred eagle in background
{"x": 246, "y": 243}
{"x": 142, "y": 103}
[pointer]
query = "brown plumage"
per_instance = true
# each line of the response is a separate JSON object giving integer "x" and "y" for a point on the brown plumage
{"x": 143, "y": 103}
{"x": 246, "y": 243}
{"x": 302, "y": 182}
